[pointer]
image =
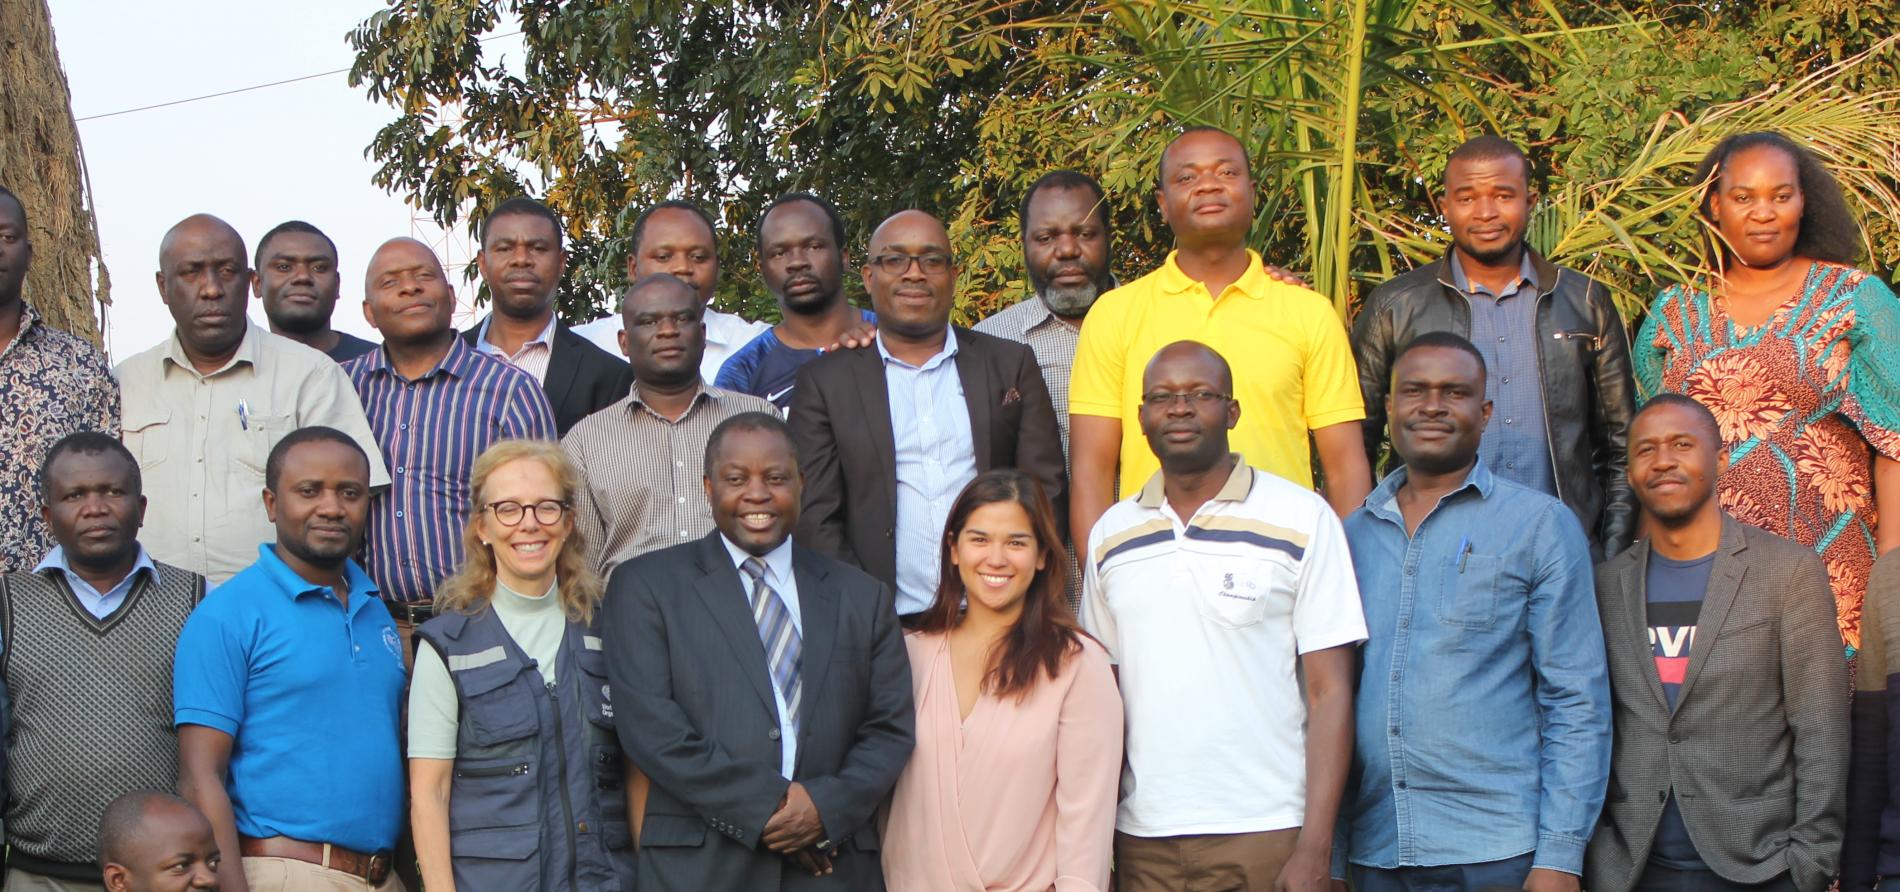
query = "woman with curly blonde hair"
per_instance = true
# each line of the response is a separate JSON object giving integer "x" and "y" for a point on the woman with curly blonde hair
{"x": 514, "y": 772}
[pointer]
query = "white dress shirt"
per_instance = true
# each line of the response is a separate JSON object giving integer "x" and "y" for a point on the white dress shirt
{"x": 778, "y": 574}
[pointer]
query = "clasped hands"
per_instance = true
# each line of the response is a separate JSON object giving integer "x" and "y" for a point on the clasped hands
{"x": 796, "y": 831}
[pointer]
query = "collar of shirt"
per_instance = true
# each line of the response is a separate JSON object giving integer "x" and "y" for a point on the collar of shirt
{"x": 635, "y": 404}
{"x": 1384, "y": 500}
{"x": 778, "y": 564}
{"x": 1253, "y": 283}
{"x": 1239, "y": 484}
{"x": 249, "y": 351}
{"x": 286, "y": 580}
{"x": 949, "y": 350}
{"x": 453, "y": 363}
{"x": 545, "y": 338}
{"x": 56, "y": 560}
{"x": 1526, "y": 275}
{"x": 30, "y": 321}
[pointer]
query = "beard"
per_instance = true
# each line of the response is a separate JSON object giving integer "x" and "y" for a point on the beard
{"x": 1071, "y": 301}
{"x": 1491, "y": 258}
{"x": 320, "y": 555}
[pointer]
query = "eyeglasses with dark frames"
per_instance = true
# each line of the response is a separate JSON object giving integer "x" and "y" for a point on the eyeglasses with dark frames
{"x": 1200, "y": 399}
{"x": 898, "y": 264}
{"x": 509, "y": 513}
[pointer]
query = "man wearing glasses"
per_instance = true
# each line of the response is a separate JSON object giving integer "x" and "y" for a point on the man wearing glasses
{"x": 642, "y": 487}
{"x": 888, "y": 438}
{"x": 434, "y": 404}
{"x": 1226, "y": 598}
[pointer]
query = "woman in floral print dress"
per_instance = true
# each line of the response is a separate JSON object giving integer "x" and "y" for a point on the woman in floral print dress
{"x": 1798, "y": 356}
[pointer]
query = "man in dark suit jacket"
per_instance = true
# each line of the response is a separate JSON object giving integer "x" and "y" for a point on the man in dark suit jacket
{"x": 885, "y": 440}
{"x": 1729, "y": 685}
{"x": 763, "y": 688}
{"x": 522, "y": 262}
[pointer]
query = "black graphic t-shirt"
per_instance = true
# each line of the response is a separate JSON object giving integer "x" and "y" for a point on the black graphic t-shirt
{"x": 1675, "y": 590}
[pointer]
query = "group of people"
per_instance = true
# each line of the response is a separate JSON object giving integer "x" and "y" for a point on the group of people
{"x": 867, "y": 599}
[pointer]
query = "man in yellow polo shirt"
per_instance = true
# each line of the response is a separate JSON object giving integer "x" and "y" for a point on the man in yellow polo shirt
{"x": 1293, "y": 367}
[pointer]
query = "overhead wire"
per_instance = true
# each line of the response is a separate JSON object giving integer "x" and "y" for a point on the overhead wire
{"x": 232, "y": 92}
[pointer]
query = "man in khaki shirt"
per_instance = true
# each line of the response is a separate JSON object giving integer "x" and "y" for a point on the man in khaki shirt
{"x": 203, "y": 409}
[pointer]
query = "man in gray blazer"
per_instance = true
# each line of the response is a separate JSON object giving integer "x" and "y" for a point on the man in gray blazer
{"x": 763, "y": 688}
{"x": 1730, "y": 691}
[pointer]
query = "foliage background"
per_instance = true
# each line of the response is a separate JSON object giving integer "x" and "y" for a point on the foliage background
{"x": 954, "y": 106}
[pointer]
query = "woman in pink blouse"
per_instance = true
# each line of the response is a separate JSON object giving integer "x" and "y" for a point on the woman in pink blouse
{"x": 1012, "y": 786}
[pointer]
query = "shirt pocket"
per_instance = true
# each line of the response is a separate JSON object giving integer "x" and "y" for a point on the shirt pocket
{"x": 145, "y": 429}
{"x": 1472, "y": 595}
{"x": 1233, "y": 593}
{"x": 251, "y": 450}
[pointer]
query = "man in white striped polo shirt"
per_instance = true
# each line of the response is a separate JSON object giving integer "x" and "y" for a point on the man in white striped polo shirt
{"x": 1218, "y": 589}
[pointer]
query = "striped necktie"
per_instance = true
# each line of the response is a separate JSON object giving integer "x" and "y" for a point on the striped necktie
{"x": 782, "y": 647}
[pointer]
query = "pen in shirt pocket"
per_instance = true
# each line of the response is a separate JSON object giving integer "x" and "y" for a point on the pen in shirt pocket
{"x": 244, "y": 415}
{"x": 1464, "y": 551}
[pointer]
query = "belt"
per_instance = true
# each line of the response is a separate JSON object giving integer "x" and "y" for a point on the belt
{"x": 414, "y": 613}
{"x": 374, "y": 868}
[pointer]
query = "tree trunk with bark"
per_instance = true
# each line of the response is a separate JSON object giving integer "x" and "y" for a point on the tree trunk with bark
{"x": 41, "y": 161}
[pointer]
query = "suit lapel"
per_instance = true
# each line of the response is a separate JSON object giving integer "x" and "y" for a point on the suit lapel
{"x": 875, "y": 398}
{"x": 818, "y": 614}
{"x": 1636, "y": 618}
{"x": 978, "y": 394}
{"x": 1725, "y": 583}
{"x": 564, "y": 362}
{"x": 724, "y": 596}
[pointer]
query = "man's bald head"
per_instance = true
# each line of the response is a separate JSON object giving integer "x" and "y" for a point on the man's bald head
{"x": 1192, "y": 354}
{"x": 404, "y": 250}
{"x": 407, "y": 296}
{"x": 156, "y": 842}
{"x": 197, "y": 229}
{"x": 1187, "y": 407}
{"x": 204, "y": 277}
{"x": 911, "y": 277}
{"x": 909, "y": 227}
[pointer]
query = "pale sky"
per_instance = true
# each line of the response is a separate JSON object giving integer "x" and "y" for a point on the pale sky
{"x": 255, "y": 159}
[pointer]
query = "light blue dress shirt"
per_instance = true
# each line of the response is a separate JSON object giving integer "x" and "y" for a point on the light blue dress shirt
{"x": 930, "y": 424}
{"x": 1482, "y": 725}
{"x": 1516, "y": 442}
{"x": 778, "y": 574}
{"x": 97, "y": 604}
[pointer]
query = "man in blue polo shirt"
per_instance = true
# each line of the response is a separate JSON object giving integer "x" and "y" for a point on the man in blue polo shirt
{"x": 286, "y": 690}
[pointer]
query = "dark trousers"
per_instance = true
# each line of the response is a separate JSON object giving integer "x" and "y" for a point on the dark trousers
{"x": 1506, "y": 874}
{"x": 1656, "y": 878}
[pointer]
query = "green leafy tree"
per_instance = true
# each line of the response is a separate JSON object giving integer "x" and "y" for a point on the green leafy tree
{"x": 1347, "y": 106}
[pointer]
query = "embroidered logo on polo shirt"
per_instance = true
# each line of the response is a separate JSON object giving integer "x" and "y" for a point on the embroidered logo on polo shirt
{"x": 1227, "y": 589}
{"x": 392, "y": 643}
{"x": 606, "y": 702}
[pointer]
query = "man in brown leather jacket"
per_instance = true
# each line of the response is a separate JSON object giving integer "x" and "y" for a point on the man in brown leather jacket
{"x": 1557, "y": 350}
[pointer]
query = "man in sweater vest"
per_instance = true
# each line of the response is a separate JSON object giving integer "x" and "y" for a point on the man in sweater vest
{"x": 88, "y": 638}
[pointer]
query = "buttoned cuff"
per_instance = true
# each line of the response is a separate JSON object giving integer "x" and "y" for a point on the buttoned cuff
{"x": 1558, "y": 852}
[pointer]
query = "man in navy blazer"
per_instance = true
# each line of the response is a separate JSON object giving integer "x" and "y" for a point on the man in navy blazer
{"x": 761, "y": 687}
{"x": 522, "y": 261}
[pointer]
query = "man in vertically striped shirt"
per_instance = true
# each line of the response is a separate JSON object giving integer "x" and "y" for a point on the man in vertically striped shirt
{"x": 643, "y": 457}
{"x": 434, "y": 404}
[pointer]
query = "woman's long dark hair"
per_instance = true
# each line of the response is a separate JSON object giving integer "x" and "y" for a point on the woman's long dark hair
{"x": 1045, "y": 633}
{"x": 1829, "y": 231}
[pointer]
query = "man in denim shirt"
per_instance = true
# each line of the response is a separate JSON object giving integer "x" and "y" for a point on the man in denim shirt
{"x": 1483, "y": 720}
